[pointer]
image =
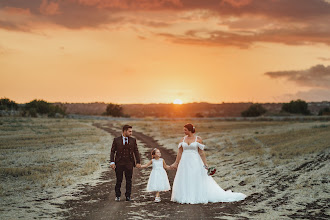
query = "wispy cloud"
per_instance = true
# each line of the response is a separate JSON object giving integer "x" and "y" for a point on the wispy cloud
{"x": 324, "y": 58}
{"x": 315, "y": 95}
{"x": 317, "y": 76}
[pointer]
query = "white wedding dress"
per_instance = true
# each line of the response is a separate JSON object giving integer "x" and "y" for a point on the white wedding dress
{"x": 193, "y": 185}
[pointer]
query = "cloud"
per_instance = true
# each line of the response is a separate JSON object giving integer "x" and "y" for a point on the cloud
{"x": 317, "y": 76}
{"x": 313, "y": 95}
{"x": 245, "y": 39}
{"x": 17, "y": 11}
{"x": 49, "y": 8}
{"x": 324, "y": 58}
{"x": 241, "y": 23}
{"x": 133, "y": 5}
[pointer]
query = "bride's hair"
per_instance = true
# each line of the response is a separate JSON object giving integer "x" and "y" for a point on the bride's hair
{"x": 153, "y": 152}
{"x": 190, "y": 127}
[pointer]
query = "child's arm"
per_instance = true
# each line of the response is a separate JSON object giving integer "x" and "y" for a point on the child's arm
{"x": 147, "y": 164}
{"x": 166, "y": 166}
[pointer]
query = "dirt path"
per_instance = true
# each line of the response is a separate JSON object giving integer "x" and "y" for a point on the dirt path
{"x": 97, "y": 202}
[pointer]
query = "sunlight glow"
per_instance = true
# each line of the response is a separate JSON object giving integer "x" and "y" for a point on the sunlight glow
{"x": 177, "y": 101}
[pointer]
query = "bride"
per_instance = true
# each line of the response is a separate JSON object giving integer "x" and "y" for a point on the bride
{"x": 191, "y": 183}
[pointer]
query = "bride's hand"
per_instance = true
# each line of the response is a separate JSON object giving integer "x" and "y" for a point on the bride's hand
{"x": 173, "y": 166}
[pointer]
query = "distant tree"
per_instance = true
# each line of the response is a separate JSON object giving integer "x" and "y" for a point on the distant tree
{"x": 254, "y": 110}
{"x": 114, "y": 110}
{"x": 297, "y": 107}
{"x": 7, "y": 104}
{"x": 32, "y": 112}
{"x": 42, "y": 107}
{"x": 199, "y": 115}
{"x": 56, "y": 109}
{"x": 325, "y": 111}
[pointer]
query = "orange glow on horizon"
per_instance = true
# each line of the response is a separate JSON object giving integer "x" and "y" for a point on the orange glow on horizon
{"x": 177, "y": 102}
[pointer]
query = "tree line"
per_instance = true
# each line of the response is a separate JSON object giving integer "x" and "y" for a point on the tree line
{"x": 34, "y": 108}
{"x": 294, "y": 107}
{"x": 40, "y": 107}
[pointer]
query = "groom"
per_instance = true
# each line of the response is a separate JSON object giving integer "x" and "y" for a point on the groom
{"x": 123, "y": 157}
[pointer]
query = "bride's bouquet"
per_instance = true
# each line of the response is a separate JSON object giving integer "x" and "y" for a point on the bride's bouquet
{"x": 210, "y": 170}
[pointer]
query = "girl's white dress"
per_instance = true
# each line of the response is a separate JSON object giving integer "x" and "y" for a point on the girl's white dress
{"x": 158, "y": 180}
{"x": 193, "y": 185}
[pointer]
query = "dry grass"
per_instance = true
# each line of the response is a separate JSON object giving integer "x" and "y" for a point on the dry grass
{"x": 41, "y": 155}
{"x": 297, "y": 142}
{"x": 259, "y": 157}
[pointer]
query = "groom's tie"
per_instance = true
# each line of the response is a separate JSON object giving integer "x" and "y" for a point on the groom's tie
{"x": 126, "y": 140}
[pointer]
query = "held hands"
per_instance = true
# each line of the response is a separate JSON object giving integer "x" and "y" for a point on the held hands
{"x": 174, "y": 166}
{"x": 138, "y": 165}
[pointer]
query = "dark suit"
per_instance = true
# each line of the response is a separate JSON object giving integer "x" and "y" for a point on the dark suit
{"x": 125, "y": 158}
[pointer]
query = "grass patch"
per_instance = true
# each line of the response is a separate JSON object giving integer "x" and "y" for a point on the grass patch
{"x": 297, "y": 142}
{"x": 251, "y": 147}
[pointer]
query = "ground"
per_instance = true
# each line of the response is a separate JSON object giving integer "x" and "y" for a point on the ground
{"x": 59, "y": 169}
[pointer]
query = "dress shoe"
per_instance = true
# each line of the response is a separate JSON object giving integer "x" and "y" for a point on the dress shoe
{"x": 117, "y": 199}
{"x": 128, "y": 198}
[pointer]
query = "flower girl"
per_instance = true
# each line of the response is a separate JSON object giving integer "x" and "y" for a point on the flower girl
{"x": 158, "y": 180}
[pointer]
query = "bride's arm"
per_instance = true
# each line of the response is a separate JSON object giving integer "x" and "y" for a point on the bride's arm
{"x": 201, "y": 152}
{"x": 178, "y": 158}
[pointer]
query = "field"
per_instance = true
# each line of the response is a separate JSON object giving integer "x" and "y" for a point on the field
{"x": 43, "y": 162}
{"x": 282, "y": 166}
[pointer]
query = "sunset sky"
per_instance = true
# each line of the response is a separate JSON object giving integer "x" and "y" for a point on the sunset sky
{"x": 156, "y": 51}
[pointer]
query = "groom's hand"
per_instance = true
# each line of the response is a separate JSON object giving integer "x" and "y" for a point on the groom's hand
{"x": 113, "y": 166}
{"x": 138, "y": 165}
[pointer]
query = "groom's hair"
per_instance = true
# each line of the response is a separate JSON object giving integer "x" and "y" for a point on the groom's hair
{"x": 126, "y": 127}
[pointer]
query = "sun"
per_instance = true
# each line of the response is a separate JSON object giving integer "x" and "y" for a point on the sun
{"x": 177, "y": 101}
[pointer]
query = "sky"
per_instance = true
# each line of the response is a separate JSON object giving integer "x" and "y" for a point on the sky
{"x": 157, "y": 51}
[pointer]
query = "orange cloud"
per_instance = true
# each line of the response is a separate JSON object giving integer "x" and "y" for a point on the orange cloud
{"x": 133, "y": 5}
{"x": 237, "y": 3}
{"x": 17, "y": 11}
{"x": 49, "y": 8}
{"x": 316, "y": 76}
{"x": 294, "y": 22}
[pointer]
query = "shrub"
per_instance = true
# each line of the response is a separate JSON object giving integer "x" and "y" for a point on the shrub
{"x": 42, "y": 107}
{"x": 254, "y": 110}
{"x": 114, "y": 110}
{"x": 33, "y": 112}
{"x": 297, "y": 107}
{"x": 7, "y": 104}
{"x": 325, "y": 111}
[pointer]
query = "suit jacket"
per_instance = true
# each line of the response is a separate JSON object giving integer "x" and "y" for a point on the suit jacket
{"x": 124, "y": 154}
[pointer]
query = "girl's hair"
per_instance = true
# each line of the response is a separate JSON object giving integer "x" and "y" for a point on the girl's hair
{"x": 153, "y": 152}
{"x": 190, "y": 127}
